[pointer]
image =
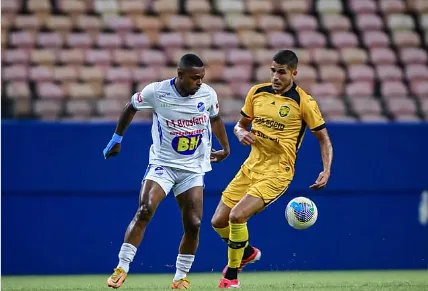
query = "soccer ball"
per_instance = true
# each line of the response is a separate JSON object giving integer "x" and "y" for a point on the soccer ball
{"x": 301, "y": 213}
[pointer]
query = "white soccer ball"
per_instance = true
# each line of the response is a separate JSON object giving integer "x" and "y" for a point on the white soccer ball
{"x": 301, "y": 213}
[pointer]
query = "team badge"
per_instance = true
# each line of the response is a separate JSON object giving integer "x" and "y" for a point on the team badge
{"x": 159, "y": 171}
{"x": 201, "y": 107}
{"x": 284, "y": 111}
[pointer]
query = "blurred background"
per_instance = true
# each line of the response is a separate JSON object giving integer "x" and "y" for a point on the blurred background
{"x": 69, "y": 67}
{"x": 83, "y": 59}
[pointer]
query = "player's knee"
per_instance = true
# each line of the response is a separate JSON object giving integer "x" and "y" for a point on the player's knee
{"x": 192, "y": 225}
{"x": 237, "y": 216}
{"x": 145, "y": 212}
{"x": 218, "y": 221}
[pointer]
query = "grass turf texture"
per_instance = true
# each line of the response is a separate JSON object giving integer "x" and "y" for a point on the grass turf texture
{"x": 310, "y": 281}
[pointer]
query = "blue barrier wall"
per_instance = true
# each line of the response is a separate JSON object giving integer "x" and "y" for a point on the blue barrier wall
{"x": 65, "y": 208}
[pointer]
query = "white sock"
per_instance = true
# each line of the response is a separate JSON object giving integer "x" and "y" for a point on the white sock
{"x": 183, "y": 265}
{"x": 126, "y": 255}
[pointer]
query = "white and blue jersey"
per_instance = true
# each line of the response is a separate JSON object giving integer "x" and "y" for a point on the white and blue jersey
{"x": 181, "y": 130}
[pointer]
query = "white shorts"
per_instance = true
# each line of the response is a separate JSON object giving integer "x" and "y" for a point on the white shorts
{"x": 172, "y": 178}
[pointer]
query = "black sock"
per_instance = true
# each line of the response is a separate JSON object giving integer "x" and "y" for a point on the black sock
{"x": 231, "y": 273}
{"x": 248, "y": 251}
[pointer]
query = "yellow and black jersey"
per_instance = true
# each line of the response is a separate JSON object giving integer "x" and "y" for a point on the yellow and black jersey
{"x": 279, "y": 123}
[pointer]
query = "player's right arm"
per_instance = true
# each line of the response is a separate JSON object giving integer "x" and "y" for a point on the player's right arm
{"x": 241, "y": 131}
{"x": 139, "y": 101}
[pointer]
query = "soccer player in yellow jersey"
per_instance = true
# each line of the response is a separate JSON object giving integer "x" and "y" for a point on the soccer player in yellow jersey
{"x": 278, "y": 113}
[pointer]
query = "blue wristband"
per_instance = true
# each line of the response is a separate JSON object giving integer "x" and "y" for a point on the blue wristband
{"x": 117, "y": 138}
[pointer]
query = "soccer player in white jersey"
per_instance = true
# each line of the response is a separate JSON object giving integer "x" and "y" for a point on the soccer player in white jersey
{"x": 185, "y": 112}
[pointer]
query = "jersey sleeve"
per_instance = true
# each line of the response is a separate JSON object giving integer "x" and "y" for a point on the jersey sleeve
{"x": 144, "y": 99}
{"x": 214, "y": 108}
{"x": 248, "y": 109}
{"x": 312, "y": 114}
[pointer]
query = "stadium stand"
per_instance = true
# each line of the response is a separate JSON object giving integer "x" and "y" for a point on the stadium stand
{"x": 363, "y": 60}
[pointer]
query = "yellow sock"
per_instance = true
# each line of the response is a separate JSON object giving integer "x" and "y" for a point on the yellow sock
{"x": 238, "y": 240}
{"x": 223, "y": 232}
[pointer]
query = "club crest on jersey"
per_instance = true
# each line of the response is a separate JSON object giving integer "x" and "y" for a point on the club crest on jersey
{"x": 284, "y": 111}
{"x": 159, "y": 171}
{"x": 201, "y": 107}
{"x": 187, "y": 144}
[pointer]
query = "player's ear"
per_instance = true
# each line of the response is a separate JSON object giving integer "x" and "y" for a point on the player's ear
{"x": 180, "y": 73}
{"x": 294, "y": 73}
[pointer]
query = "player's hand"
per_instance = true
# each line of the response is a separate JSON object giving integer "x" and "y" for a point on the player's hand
{"x": 113, "y": 147}
{"x": 245, "y": 137}
{"x": 322, "y": 180}
{"x": 218, "y": 156}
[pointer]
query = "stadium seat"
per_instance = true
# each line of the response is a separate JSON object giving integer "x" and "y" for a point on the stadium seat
{"x": 311, "y": 39}
{"x": 329, "y": 6}
{"x": 405, "y": 39}
{"x": 15, "y": 56}
{"x": 225, "y": 39}
{"x": 391, "y": 6}
{"x": 365, "y": 106}
{"x": 65, "y": 74}
{"x": 363, "y": 6}
{"x": 322, "y": 56}
{"x": 41, "y": 73}
{"x": 324, "y": 90}
{"x": 256, "y": 7}
{"x": 335, "y": 22}
{"x": 49, "y": 90}
{"x": 280, "y": 39}
{"x": 15, "y": 72}
{"x": 367, "y": 22}
{"x": 269, "y": 23}
{"x": 294, "y": 7}
{"x": 102, "y": 49}
{"x": 361, "y": 73}
{"x": 239, "y": 57}
{"x": 198, "y": 6}
{"x": 413, "y": 55}
{"x": 344, "y": 39}
{"x": 414, "y": 72}
{"x": 71, "y": 56}
{"x": 18, "y": 90}
{"x": 375, "y": 39}
{"x": 359, "y": 88}
{"x": 48, "y": 109}
{"x": 91, "y": 73}
{"x": 389, "y": 73}
{"x": 252, "y": 39}
{"x": 79, "y": 108}
{"x": 353, "y": 56}
{"x": 393, "y": 89}
{"x": 381, "y": 56}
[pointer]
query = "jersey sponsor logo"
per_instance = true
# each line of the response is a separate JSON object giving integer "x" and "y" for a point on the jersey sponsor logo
{"x": 201, "y": 107}
{"x": 284, "y": 111}
{"x": 139, "y": 97}
{"x": 159, "y": 171}
{"x": 186, "y": 145}
{"x": 269, "y": 123}
{"x": 186, "y": 122}
{"x": 262, "y": 135}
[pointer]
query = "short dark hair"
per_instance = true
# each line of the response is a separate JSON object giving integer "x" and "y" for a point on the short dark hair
{"x": 190, "y": 60}
{"x": 287, "y": 58}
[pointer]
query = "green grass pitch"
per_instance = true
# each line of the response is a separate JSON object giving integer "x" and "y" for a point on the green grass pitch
{"x": 308, "y": 281}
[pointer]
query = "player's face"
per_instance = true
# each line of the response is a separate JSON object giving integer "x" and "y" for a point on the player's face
{"x": 192, "y": 79}
{"x": 281, "y": 77}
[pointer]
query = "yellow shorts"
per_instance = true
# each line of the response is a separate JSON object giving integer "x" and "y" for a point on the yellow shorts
{"x": 267, "y": 186}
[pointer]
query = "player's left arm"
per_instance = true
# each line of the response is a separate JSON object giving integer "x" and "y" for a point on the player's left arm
{"x": 327, "y": 158}
{"x": 219, "y": 131}
{"x": 315, "y": 121}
